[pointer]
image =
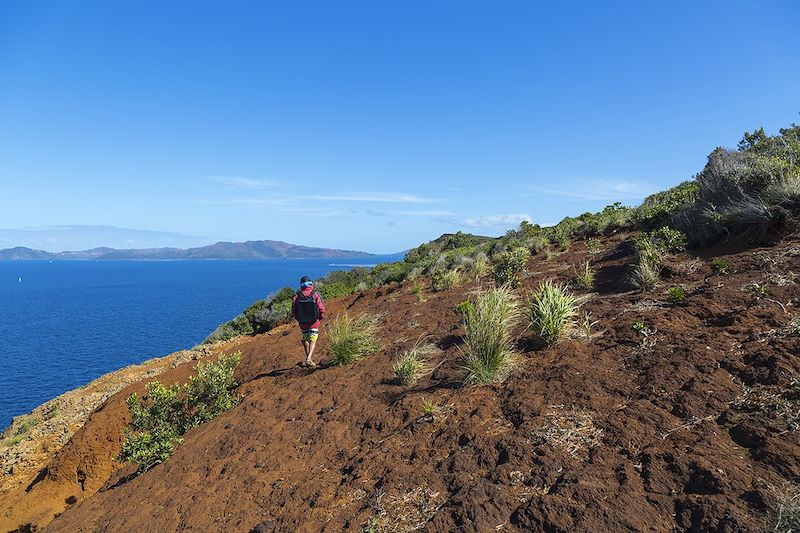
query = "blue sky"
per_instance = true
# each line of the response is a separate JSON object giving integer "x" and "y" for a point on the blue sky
{"x": 371, "y": 125}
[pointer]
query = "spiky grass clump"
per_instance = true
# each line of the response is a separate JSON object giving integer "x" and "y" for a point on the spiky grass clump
{"x": 352, "y": 338}
{"x": 490, "y": 357}
{"x": 676, "y": 295}
{"x": 413, "y": 363}
{"x": 584, "y": 276}
{"x": 444, "y": 280}
{"x": 552, "y": 311}
{"x": 481, "y": 266}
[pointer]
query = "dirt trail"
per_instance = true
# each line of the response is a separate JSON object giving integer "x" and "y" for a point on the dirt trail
{"x": 618, "y": 432}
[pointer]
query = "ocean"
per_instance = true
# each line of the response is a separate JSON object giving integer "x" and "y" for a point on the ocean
{"x": 65, "y": 323}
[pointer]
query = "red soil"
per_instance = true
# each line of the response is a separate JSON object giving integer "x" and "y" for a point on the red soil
{"x": 650, "y": 437}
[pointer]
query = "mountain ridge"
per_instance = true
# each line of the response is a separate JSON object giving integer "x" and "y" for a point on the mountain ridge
{"x": 263, "y": 249}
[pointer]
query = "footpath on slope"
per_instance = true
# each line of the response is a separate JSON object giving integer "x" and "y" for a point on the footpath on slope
{"x": 607, "y": 433}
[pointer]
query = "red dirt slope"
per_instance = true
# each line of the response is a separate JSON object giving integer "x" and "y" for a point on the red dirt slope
{"x": 673, "y": 432}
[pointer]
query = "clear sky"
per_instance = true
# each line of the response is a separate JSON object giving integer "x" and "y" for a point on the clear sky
{"x": 372, "y": 125}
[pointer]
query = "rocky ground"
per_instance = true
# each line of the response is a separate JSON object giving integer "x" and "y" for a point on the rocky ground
{"x": 686, "y": 422}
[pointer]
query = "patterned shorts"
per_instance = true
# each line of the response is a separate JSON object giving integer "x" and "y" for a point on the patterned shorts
{"x": 309, "y": 335}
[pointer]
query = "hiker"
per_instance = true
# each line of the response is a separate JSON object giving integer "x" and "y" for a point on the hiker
{"x": 308, "y": 309}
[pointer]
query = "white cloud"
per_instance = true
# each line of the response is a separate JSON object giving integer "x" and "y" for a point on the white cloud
{"x": 387, "y": 197}
{"x": 597, "y": 189}
{"x": 496, "y": 221}
{"x": 240, "y": 182}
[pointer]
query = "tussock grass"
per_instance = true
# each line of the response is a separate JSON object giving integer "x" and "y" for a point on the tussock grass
{"x": 413, "y": 364}
{"x": 552, "y": 310}
{"x": 444, "y": 280}
{"x": 490, "y": 357}
{"x": 352, "y": 338}
{"x": 584, "y": 276}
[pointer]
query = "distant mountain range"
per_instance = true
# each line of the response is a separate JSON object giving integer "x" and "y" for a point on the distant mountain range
{"x": 220, "y": 250}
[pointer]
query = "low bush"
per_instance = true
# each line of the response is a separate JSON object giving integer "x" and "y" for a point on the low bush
{"x": 584, "y": 276}
{"x": 490, "y": 357}
{"x": 720, "y": 266}
{"x": 164, "y": 414}
{"x": 509, "y": 267}
{"x": 444, "y": 280}
{"x": 552, "y": 310}
{"x": 413, "y": 363}
{"x": 676, "y": 295}
{"x": 352, "y": 338}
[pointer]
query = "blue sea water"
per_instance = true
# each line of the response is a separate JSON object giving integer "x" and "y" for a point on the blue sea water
{"x": 65, "y": 323}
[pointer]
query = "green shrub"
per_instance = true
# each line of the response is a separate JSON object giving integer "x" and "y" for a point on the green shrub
{"x": 639, "y": 326}
{"x": 444, "y": 280}
{"x": 490, "y": 357}
{"x": 552, "y": 311}
{"x": 352, "y": 338}
{"x": 509, "y": 266}
{"x": 720, "y": 266}
{"x": 464, "y": 308}
{"x": 413, "y": 364}
{"x": 584, "y": 276}
{"x": 669, "y": 239}
{"x": 561, "y": 239}
{"x": 389, "y": 273}
{"x": 676, "y": 295}
{"x": 658, "y": 209}
{"x": 164, "y": 414}
{"x": 208, "y": 393}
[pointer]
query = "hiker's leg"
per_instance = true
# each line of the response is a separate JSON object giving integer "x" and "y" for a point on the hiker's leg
{"x": 312, "y": 343}
{"x": 311, "y": 347}
{"x": 307, "y": 347}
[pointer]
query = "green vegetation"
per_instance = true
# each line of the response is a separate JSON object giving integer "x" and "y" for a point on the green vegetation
{"x": 413, "y": 363}
{"x": 481, "y": 266}
{"x": 164, "y": 414}
{"x": 27, "y": 425}
{"x": 640, "y": 326}
{"x": 584, "y": 276}
{"x": 444, "y": 280}
{"x": 720, "y": 266}
{"x": 748, "y": 190}
{"x": 593, "y": 246}
{"x": 552, "y": 311}
{"x": 676, "y": 295}
{"x": 510, "y": 266}
{"x": 650, "y": 250}
{"x": 352, "y": 338}
{"x": 490, "y": 357}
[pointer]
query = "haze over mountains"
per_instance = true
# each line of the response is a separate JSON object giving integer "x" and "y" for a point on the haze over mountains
{"x": 221, "y": 250}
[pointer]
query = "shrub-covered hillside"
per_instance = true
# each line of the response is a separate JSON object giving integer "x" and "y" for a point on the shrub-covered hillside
{"x": 751, "y": 190}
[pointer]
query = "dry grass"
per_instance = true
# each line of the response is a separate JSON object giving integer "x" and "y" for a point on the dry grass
{"x": 569, "y": 430}
{"x": 787, "y": 514}
{"x": 404, "y": 511}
